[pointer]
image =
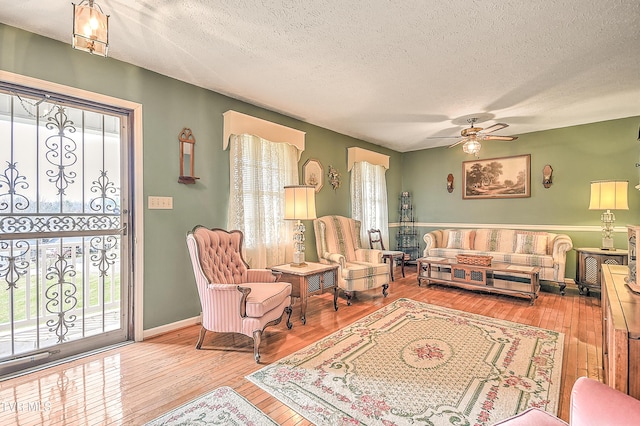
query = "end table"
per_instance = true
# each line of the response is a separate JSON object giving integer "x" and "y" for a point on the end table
{"x": 314, "y": 278}
{"x": 589, "y": 266}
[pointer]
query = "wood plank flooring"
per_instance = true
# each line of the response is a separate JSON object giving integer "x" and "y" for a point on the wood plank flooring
{"x": 135, "y": 383}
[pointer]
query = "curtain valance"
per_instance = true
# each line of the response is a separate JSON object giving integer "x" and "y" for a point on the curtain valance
{"x": 236, "y": 123}
{"x": 356, "y": 155}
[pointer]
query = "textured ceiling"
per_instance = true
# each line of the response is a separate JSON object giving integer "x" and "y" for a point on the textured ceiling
{"x": 393, "y": 72}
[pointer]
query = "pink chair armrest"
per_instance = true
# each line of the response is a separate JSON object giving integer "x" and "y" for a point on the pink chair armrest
{"x": 594, "y": 403}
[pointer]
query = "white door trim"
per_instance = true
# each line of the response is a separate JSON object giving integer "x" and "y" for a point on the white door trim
{"x": 138, "y": 199}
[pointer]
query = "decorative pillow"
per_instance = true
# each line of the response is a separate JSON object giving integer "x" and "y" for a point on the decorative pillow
{"x": 501, "y": 240}
{"x": 531, "y": 244}
{"x": 459, "y": 240}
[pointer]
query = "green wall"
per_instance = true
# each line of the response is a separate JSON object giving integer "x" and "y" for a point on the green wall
{"x": 578, "y": 155}
{"x": 606, "y": 150}
{"x": 170, "y": 105}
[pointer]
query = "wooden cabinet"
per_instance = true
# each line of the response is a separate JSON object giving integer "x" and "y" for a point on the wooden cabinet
{"x": 620, "y": 331}
{"x": 469, "y": 274}
{"x": 589, "y": 266}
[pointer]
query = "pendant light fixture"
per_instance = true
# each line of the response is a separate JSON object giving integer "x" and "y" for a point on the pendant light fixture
{"x": 90, "y": 28}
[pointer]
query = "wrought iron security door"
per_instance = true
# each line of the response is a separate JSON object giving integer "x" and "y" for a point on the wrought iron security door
{"x": 63, "y": 218}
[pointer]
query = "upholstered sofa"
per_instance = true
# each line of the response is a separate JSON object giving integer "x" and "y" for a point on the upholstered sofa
{"x": 338, "y": 243}
{"x": 543, "y": 249}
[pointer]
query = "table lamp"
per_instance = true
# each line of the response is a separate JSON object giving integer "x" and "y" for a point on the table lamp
{"x": 300, "y": 204}
{"x": 608, "y": 195}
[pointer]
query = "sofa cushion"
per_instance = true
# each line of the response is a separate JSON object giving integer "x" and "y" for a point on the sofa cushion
{"x": 545, "y": 261}
{"x": 360, "y": 277}
{"x": 460, "y": 239}
{"x": 495, "y": 240}
{"x": 531, "y": 243}
{"x": 355, "y": 270}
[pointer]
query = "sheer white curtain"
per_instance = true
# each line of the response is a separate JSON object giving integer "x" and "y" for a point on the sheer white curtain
{"x": 369, "y": 200}
{"x": 259, "y": 171}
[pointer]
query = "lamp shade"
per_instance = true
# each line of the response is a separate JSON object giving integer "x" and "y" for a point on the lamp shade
{"x": 609, "y": 195}
{"x": 90, "y": 28}
{"x": 300, "y": 202}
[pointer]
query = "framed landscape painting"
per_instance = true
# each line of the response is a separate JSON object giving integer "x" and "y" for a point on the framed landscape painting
{"x": 506, "y": 177}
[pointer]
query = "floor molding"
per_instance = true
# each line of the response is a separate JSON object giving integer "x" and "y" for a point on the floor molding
{"x": 156, "y": 331}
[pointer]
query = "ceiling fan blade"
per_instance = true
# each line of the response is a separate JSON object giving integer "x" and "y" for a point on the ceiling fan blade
{"x": 495, "y": 127}
{"x": 457, "y": 143}
{"x": 500, "y": 138}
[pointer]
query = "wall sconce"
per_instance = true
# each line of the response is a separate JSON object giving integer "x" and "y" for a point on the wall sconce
{"x": 187, "y": 156}
{"x": 450, "y": 183}
{"x": 547, "y": 176}
{"x": 334, "y": 177}
{"x": 90, "y": 28}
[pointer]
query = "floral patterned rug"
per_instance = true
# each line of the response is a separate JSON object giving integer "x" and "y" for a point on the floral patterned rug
{"x": 222, "y": 406}
{"x": 411, "y": 363}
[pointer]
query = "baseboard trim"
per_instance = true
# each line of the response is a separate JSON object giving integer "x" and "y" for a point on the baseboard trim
{"x": 156, "y": 331}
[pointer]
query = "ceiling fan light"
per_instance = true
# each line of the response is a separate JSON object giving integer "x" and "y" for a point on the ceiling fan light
{"x": 472, "y": 146}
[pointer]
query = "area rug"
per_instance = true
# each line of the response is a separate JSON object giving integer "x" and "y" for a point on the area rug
{"x": 222, "y": 406}
{"x": 411, "y": 363}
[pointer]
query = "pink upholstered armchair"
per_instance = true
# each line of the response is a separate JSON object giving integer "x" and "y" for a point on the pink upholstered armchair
{"x": 592, "y": 404}
{"x": 234, "y": 298}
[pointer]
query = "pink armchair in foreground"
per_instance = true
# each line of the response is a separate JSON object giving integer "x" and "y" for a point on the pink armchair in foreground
{"x": 592, "y": 404}
{"x": 234, "y": 298}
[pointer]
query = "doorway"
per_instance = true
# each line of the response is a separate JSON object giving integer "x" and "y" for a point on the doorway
{"x": 65, "y": 240}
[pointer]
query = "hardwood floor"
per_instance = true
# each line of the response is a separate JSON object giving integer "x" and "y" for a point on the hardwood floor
{"x": 135, "y": 383}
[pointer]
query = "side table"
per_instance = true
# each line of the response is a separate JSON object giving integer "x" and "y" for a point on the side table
{"x": 589, "y": 266}
{"x": 313, "y": 278}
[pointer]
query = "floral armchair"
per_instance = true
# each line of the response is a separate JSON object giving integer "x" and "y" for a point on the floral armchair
{"x": 338, "y": 242}
{"x": 234, "y": 298}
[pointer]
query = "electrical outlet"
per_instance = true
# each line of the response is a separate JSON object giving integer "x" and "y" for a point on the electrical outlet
{"x": 165, "y": 203}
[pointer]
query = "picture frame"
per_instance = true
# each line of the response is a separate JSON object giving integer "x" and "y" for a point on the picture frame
{"x": 313, "y": 174}
{"x": 504, "y": 177}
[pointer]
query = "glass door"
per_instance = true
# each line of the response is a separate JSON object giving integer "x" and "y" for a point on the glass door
{"x": 64, "y": 245}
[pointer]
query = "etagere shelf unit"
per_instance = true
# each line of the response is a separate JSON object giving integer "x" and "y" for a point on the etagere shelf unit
{"x": 407, "y": 237}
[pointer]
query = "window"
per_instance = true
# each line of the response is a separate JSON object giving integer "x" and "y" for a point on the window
{"x": 259, "y": 171}
{"x": 369, "y": 199}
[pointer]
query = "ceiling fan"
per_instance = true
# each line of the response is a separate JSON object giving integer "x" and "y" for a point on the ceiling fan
{"x": 472, "y": 136}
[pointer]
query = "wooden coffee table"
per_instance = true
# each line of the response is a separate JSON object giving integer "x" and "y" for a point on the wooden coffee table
{"x": 503, "y": 278}
{"x": 314, "y": 278}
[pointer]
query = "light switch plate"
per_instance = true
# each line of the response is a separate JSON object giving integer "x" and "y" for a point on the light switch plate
{"x": 165, "y": 203}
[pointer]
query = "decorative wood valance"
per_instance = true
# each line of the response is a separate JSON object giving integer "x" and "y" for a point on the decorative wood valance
{"x": 355, "y": 155}
{"x": 236, "y": 123}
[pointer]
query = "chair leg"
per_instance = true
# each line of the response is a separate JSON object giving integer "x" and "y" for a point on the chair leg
{"x": 348, "y": 295}
{"x": 257, "y": 337}
{"x": 384, "y": 289}
{"x": 289, "y": 311}
{"x": 203, "y": 331}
